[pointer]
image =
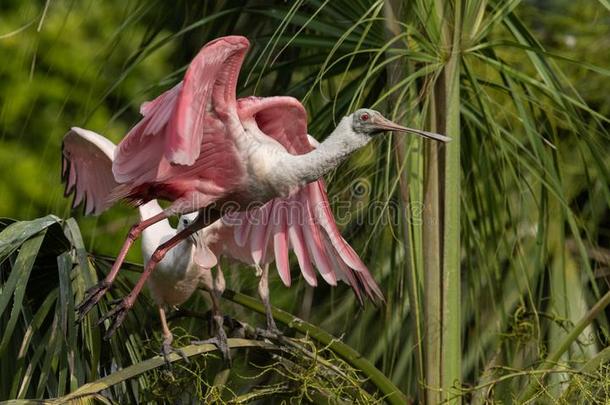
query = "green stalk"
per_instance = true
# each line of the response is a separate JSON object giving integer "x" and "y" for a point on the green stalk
{"x": 441, "y": 233}
{"x": 559, "y": 295}
{"x": 391, "y": 393}
{"x": 451, "y": 283}
{"x": 432, "y": 276}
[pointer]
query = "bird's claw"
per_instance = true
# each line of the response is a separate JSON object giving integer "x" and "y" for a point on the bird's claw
{"x": 269, "y": 333}
{"x": 167, "y": 349}
{"x": 92, "y": 297}
{"x": 220, "y": 341}
{"x": 116, "y": 316}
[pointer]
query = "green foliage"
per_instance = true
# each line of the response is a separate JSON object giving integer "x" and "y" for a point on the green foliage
{"x": 47, "y": 355}
{"x": 533, "y": 189}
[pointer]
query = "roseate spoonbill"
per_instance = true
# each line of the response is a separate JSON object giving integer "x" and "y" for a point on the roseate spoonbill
{"x": 202, "y": 149}
{"x": 87, "y": 166}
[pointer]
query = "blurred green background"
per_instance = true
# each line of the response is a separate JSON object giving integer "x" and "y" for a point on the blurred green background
{"x": 61, "y": 65}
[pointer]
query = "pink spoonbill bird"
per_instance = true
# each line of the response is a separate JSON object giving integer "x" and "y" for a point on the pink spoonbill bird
{"x": 202, "y": 149}
{"x": 88, "y": 161}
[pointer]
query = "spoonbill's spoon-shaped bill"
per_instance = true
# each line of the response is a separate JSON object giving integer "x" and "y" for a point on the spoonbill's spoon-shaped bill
{"x": 388, "y": 125}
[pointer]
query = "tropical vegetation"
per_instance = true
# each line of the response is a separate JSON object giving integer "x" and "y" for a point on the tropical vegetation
{"x": 492, "y": 251}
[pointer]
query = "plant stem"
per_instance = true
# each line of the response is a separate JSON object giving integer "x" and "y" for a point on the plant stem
{"x": 391, "y": 393}
{"x": 451, "y": 283}
{"x": 441, "y": 233}
{"x": 432, "y": 277}
{"x": 395, "y": 70}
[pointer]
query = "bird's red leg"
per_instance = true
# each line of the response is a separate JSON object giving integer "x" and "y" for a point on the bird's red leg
{"x": 95, "y": 293}
{"x": 118, "y": 313}
{"x": 168, "y": 338}
{"x": 220, "y": 338}
{"x": 263, "y": 291}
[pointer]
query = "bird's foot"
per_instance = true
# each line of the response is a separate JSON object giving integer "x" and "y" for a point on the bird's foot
{"x": 221, "y": 342}
{"x": 117, "y": 315}
{"x": 167, "y": 349}
{"x": 271, "y": 332}
{"x": 92, "y": 297}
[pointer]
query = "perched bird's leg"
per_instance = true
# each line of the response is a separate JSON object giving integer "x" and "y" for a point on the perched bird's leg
{"x": 218, "y": 288}
{"x": 168, "y": 338}
{"x": 118, "y": 313}
{"x": 95, "y": 293}
{"x": 263, "y": 291}
{"x": 220, "y": 336}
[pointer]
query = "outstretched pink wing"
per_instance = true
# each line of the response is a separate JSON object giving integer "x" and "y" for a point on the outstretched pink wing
{"x": 282, "y": 118}
{"x": 188, "y": 125}
{"x": 303, "y": 221}
{"x": 87, "y": 169}
{"x": 208, "y": 90}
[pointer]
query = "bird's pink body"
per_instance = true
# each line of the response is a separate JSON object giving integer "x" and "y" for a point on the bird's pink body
{"x": 204, "y": 150}
{"x": 192, "y": 146}
{"x": 255, "y": 237}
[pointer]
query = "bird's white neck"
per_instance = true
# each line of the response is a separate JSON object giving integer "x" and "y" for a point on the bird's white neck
{"x": 158, "y": 233}
{"x": 341, "y": 143}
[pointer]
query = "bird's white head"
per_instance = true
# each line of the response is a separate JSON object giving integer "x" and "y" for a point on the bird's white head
{"x": 202, "y": 255}
{"x": 370, "y": 122}
{"x": 184, "y": 221}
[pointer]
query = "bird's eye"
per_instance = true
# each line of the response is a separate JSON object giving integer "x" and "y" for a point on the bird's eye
{"x": 364, "y": 117}
{"x": 185, "y": 221}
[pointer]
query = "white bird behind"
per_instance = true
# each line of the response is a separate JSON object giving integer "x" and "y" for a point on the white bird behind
{"x": 179, "y": 274}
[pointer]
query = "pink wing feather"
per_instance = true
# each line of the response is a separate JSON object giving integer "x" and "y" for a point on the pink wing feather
{"x": 209, "y": 84}
{"x": 183, "y": 127}
{"x": 282, "y": 118}
{"x": 279, "y": 232}
{"x": 86, "y": 169}
{"x": 303, "y": 221}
